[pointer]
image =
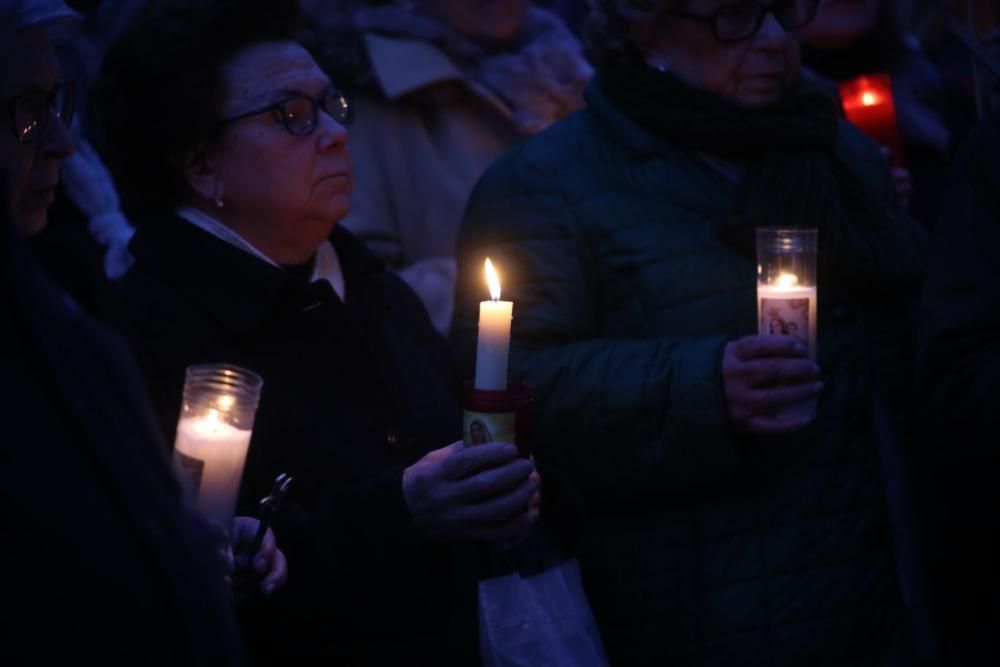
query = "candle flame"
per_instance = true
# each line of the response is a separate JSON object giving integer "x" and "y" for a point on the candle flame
{"x": 868, "y": 98}
{"x": 226, "y": 402}
{"x": 208, "y": 425}
{"x": 788, "y": 280}
{"x": 493, "y": 280}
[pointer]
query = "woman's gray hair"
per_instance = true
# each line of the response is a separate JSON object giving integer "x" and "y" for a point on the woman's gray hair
{"x": 616, "y": 29}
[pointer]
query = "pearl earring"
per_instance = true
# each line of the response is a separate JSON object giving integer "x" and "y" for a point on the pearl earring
{"x": 218, "y": 203}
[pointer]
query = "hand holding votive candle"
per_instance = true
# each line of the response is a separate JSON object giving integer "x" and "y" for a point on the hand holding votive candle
{"x": 786, "y": 289}
{"x": 213, "y": 436}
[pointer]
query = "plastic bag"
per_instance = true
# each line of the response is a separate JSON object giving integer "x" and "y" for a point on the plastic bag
{"x": 541, "y": 620}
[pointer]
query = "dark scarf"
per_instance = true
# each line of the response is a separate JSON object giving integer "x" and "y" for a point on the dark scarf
{"x": 794, "y": 177}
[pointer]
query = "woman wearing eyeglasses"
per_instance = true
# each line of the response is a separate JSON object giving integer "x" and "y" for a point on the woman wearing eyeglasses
{"x": 104, "y": 564}
{"x": 39, "y": 108}
{"x": 229, "y": 147}
{"x": 720, "y": 532}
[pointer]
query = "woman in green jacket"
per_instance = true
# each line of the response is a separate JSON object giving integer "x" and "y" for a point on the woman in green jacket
{"x": 718, "y": 532}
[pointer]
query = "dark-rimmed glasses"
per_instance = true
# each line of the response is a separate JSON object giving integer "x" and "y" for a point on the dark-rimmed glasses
{"x": 737, "y": 21}
{"x": 29, "y": 112}
{"x": 300, "y": 113}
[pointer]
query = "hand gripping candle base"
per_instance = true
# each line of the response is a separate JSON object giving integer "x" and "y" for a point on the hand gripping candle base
{"x": 498, "y": 415}
{"x": 786, "y": 290}
{"x": 213, "y": 436}
{"x": 495, "y": 407}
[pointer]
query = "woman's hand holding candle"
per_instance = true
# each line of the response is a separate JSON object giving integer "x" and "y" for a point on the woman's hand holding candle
{"x": 765, "y": 375}
{"x": 264, "y": 571}
{"x": 483, "y": 493}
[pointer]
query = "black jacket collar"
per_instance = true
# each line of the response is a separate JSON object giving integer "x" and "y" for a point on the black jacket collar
{"x": 236, "y": 288}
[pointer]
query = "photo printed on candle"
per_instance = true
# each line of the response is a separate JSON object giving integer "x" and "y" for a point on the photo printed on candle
{"x": 785, "y": 317}
{"x": 480, "y": 428}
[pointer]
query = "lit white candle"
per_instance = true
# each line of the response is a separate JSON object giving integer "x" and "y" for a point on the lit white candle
{"x": 787, "y": 308}
{"x": 209, "y": 455}
{"x": 494, "y": 336}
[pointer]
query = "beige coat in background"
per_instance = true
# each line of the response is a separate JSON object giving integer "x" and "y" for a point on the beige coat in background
{"x": 417, "y": 155}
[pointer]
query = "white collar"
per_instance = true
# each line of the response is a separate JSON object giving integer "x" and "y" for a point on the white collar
{"x": 326, "y": 266}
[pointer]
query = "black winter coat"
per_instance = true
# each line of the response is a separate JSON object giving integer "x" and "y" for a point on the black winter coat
{"x": 353, "y": 393}
{"x": 959, "y": 361}
{"x": 103, "y": 564}
{"x": 703, "y": 545}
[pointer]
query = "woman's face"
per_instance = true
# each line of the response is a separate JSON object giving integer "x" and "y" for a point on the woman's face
{"x": 752, "y": 72}
{"x": 282, "y": 192}
{"x": 840, "y": 23}
{"x": 489, "y": 19}
{"x": 28, "y": 65}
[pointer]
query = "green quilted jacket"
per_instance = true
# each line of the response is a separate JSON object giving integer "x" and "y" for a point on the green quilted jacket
{"x": 699, "y": 545}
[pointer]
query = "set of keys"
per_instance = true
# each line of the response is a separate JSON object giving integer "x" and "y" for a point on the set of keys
{"x": 268, "y": 507}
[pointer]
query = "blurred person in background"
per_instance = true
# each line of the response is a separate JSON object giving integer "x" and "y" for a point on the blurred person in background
{"x": 849, "y": 38}
{"x": 83, "y": 249}
{"x": 442, "y": 88}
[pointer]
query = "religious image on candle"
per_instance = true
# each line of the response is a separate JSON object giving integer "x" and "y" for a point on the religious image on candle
{"x": 788, "y": 309}
{"x": 480, "y": 428}
{"x": 493, "y": 344}
{"x": 213, "y": 436}
{"x": 787, "y": 292}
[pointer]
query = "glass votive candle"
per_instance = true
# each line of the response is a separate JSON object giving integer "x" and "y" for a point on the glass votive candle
{"x": 787, "y": 290}
{"x": 213, "y": 436}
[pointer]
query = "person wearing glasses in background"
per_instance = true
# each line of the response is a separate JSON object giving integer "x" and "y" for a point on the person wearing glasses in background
{"x": 229, "y": 147}
{"x": 720, "y": 532}
{"x": 104, "y": 564}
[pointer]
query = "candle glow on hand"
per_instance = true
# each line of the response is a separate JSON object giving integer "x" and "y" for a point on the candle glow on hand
{"x": 494, "y": 336}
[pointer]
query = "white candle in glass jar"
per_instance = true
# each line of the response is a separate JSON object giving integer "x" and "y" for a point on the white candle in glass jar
{"x": 209, "y": 456}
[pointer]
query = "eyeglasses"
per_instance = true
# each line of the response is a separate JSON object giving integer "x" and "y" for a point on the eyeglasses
{"x": 300, "y": 114}
{"x": 737, "y": 21}
{"x": 29, "y": 111}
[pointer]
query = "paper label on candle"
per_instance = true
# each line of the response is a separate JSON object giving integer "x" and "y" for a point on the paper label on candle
{"x": 481, "y": 427}
{"x": 785, "y": 317}
{"x": 189, "y": 472}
